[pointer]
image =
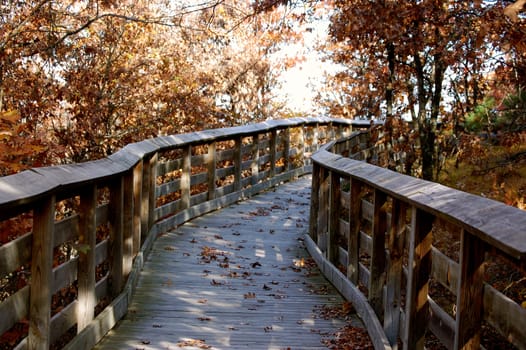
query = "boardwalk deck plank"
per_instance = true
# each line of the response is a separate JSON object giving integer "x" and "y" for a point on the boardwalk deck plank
{"x": 235, "y": 279}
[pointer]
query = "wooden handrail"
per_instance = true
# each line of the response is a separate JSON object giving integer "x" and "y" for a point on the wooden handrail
{"x": 360, "y": 210}
{"x": 104, "y": 215}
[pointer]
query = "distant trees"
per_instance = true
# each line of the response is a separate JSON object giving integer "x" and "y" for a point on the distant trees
{"x": 80, "y": 79}
{"x": 431, "y": 61}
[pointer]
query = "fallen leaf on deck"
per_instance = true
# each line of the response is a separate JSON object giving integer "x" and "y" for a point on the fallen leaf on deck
{"x": 199, "y": 343}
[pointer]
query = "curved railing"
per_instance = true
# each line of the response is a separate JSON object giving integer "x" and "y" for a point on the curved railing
{"x": 382, "y": 229}
{"x": 89, "y": 226}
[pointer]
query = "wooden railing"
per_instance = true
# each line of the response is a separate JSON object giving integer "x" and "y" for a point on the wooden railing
{"x": 383, "y": 230}
{"x": 88, "y": 227}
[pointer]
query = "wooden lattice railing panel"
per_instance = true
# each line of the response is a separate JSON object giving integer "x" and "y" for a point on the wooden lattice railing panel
{"x": 116, "y": 207}
{"x": 379, "y": 226}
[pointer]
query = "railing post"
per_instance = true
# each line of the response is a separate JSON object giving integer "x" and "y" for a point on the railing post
{"x": 41, "y": 274}
{"x": 86, "y": 263}
{"x": 419, "y": 270}
{"x": 211, "y": 165}
{"x": 238, "y": 162}
{"x": 339, "y": 132}
{"x": 186, "y": 177}
{"x": 254, "y": 166}
{"x": 470, "y": 292}
{"x": 151, "y": 193}
{"x": 323, "y": 210}
{"x": 334, "y": 217}
{"x": 353, "y": 243}
{"x": 148, "y": 194}
{"x": 377, "y": 279}
{"x": 116, "y": 234}
{"x": 286, "y": 148}
{"x": 273, "y": 148}
{"x": 128, "y": 224}
{"x": 137, "y": 206}
{"x": 315, "y": 137}
{"x": 301, "y": 146}
{"x": 396, "y": 245}
{"x": 314, "y": 202}
{"x": 331, "y": 132}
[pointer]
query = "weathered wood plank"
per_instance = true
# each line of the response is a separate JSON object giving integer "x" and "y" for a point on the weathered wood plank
{"x": 14, "y": 308}
{"x": 334, "y": 214}
{"x": 496, "y": 223}
{"x": 211, "y": 163}
{"x": 238, "y": 160}
{"x": 239, "y": 277}
{"x": 505, "y": 315}
{"x": 396, "y": 244}
{"x": 314, "y": 203}
{"x": 15, "y": 253}
{"x": 470, "y": 293}
{"x": 116, "y": 239}
{"x": 41, "y": 275}
{"x": 137, "y": 208}
{"x": 419, "y": 270}
{"x": 353, "y": 243}
{"x": 86, "y": 261}
{"x": 378, "y": 259}
{"x": 323, "y": 211}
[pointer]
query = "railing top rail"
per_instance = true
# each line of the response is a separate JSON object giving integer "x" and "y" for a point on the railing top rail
{"x": 30, "y": 185}
{"x": 496, "y": 223}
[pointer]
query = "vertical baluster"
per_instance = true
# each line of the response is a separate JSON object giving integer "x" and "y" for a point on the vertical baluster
{"x": 470, "y": 292}
{"x": 334, "y": 217}
{"x": 254, "y": 166}
{"x": 137, "y": 206}
{"x": 314, "y": 202}
{"x": 419, "y": 269}
{"x": 41, "y": 274}
{"x": 394, "y": 271}
{"x": 377, "y": 279}
{"x": 86, "y": 263}
{"x": 186, "y": 177}
{"x": 211, "y": 164}
{"x": 238, "y": 163}
{"x": 116, "y": 234}
{"x": 353, "y": 243}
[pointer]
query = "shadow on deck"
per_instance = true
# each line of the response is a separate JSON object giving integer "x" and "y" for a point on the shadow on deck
{"x": 239, "y": 277}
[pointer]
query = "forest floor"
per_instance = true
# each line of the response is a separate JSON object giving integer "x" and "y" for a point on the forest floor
{"x": 496, "y": 172}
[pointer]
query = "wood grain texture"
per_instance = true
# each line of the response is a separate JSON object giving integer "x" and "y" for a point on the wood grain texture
{"x": 41, "y": 275}
{"x": 499, "y": 225}
{"x": 235, "y": 278}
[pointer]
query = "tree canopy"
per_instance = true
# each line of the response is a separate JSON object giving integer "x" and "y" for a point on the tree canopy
{"x": 80, "y": 79}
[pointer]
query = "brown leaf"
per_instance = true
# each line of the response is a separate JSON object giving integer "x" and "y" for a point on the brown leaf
{"x": 250, "y": 295}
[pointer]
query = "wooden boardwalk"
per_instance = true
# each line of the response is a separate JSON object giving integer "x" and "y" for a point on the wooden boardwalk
{"x": 238, "y": 278}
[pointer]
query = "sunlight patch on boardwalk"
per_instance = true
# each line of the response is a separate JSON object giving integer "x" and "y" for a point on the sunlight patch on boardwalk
{"x": 238, "y": 278}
